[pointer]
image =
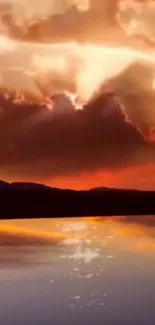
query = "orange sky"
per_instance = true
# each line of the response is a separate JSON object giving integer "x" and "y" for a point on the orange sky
{"x": 130, "y": 177}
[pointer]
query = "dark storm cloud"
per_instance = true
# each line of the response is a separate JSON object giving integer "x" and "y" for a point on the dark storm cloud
{"x": 37, "y": 142}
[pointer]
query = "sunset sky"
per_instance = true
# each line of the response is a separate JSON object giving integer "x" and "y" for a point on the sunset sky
{"x": 109, "y": 141}
{"x": 77, "y": 110}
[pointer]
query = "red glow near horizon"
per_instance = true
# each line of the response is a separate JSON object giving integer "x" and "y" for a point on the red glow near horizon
{"x": 138, "y": 177}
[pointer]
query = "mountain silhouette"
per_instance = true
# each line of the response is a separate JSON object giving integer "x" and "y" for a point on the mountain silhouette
{"x": 30, "y": 200}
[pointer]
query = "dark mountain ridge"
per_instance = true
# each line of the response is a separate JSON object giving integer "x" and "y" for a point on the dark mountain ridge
{"x": 30, "y": 200}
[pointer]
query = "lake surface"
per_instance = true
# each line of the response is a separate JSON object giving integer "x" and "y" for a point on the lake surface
{"x": 78, "y": 271}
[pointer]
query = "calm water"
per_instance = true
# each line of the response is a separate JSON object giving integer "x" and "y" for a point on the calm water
{"x": 78, "y": 271}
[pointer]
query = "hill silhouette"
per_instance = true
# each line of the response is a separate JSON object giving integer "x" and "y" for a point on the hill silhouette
{"x": 30, "y": 200}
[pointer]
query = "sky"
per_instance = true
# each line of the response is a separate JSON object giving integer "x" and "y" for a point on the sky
{"x": 78, "y": 112}
{"x": 92, "y": 119}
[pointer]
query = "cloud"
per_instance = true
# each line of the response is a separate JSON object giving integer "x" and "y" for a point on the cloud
{"x": 36, "y": 9}
{"x": 137, "y": 18}
{"x": 135, "y": 88}
{"x": 37, "y": 142}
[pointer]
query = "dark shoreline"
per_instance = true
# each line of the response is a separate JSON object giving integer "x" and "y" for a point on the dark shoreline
{"x": 21, "y": 200}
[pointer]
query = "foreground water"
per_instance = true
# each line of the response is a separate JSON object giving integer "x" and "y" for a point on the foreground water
{"x": 78, "y": 271}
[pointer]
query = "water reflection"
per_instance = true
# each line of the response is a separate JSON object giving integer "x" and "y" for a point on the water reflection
{"x": 92, "y": 269}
